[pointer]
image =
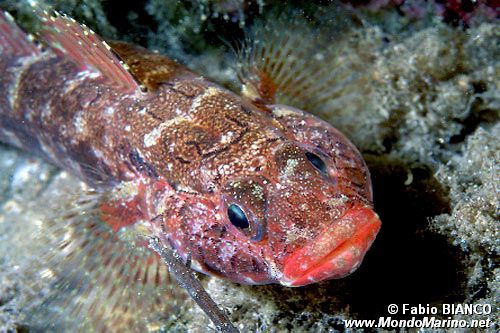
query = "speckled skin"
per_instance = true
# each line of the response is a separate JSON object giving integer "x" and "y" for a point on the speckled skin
{"x": 175, "y": 150}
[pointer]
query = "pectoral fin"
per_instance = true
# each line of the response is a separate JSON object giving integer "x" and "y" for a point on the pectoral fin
{"x": 289, "y": 61}
{"x": 85, "y": 276}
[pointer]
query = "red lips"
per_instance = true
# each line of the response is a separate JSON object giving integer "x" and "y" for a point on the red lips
{"x": 336, "y": 252}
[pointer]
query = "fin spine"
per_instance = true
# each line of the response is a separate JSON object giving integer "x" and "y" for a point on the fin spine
{"x": 85, "y": 48}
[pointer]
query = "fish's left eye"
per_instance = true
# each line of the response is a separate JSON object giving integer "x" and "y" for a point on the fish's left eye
{"x": 237, "y": 216}
{"x": 317, "y": 162}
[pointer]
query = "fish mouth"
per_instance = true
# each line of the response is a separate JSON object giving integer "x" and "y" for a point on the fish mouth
{"x": 336, "y": 252}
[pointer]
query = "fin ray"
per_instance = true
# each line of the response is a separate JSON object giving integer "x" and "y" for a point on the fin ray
{"x": 77, "y": 42}
{"x": 90, "y": 276}
{"x": 294, "y": 63}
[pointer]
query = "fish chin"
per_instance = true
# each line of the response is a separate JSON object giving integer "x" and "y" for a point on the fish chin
{"x": 336, "y": 252}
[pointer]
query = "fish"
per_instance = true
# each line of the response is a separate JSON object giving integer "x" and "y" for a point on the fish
{"x": 241, "y": 186}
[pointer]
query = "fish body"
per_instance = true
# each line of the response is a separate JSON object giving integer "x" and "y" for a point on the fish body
{"x": 241, "y": 187}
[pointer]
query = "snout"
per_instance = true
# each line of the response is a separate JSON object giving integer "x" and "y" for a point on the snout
{"x": 336, "y": 252}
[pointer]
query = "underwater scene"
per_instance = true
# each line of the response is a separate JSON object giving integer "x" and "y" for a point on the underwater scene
{"x": 249, "y": 165}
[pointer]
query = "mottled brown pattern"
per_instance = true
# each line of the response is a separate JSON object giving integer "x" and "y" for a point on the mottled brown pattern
{"x": 148, "y": 68}
{"x": 187, "y": 150}
{"x": 91, "y": 120}
{"x": 70, "y": 126}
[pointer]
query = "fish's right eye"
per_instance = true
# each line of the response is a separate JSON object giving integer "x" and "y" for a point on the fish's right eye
{"x": 317, "y": 162}
{"x": 237, "y": 217}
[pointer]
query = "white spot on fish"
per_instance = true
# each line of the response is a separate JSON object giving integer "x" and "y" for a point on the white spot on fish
{"x": 227, "y": 137}
{"x": 109, "y": 111}
{"x": 227, "y": 251}
{"x": 209, "y": 92}
{"x": 99, "y": 154}
{"x": 46, "y": 111}
{"x": 81, "y": 77}
{"x": 274, "y": 271}
{"x": 291, "y": 164}
{"x": 80, "y": 122}
{"x": 152, "y": 137}
{"x": 281, "y": 111}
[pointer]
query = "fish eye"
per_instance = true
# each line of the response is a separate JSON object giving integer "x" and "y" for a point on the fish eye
{"x": 237, "y": 216}
{"x": 317, "y": 162}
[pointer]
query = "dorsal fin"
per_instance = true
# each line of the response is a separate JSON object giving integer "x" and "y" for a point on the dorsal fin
{"x": 77, "y": 42}
{"x": 149, "y": 68}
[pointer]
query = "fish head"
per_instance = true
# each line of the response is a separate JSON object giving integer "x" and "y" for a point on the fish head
{"x": 306, "y": 216}
{"x": 321, "y": 220}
